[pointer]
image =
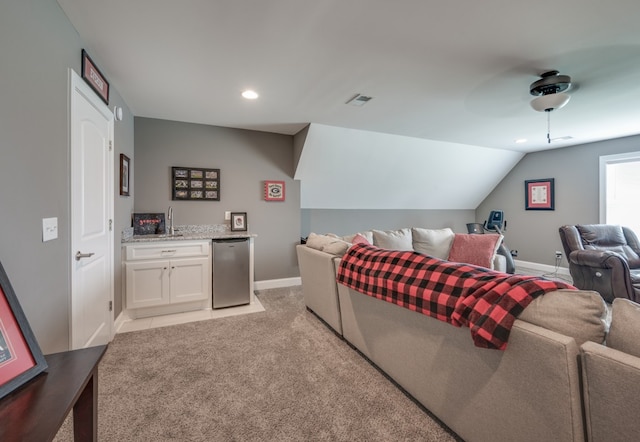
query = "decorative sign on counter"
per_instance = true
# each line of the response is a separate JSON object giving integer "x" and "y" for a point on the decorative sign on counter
{"x": 195, "y": 184}
{"x": 148, "y": 223}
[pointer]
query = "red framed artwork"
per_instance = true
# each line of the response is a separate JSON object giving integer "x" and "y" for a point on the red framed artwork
{"x": 274, "y": 190}
{"x": 20, "y": 356}
{"x": 94, "y": 78}
{"x": 539, "y": 194}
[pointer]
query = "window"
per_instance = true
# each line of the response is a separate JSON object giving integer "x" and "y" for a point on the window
{"x": 620, "y": 190}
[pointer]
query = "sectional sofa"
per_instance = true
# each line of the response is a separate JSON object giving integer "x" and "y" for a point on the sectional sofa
{"x": 555, "y": 381}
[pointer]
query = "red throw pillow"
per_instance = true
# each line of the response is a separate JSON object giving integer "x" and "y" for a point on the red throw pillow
{"x": 475, "y": 249}
{"x": 359, "y": 239}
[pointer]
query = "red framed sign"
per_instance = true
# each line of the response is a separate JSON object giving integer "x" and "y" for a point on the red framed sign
{"x": 92, "y": 75}
{"x": 539, "y": 194}
{"x": 20, "y": 356}
{"x": 274, "y": 190}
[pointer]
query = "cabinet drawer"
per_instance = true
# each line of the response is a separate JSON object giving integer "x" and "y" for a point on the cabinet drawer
{"x": 169, "y": 249}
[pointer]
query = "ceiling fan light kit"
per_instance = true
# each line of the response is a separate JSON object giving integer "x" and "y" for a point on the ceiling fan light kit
{"x": 551, "y": 102}
{"x": 550, "y": 95}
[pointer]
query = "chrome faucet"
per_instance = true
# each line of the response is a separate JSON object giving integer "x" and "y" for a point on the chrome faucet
{"x": 170, "y": 217}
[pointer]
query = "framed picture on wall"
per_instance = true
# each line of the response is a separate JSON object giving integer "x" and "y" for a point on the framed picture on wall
{"x": 20, "y": 356}
{"x": 239, "y": 221}
{"x": 539, "y": 194}
{"x": 274, "y": 190}
{"x": 125, "y": 163}
{"x": 195, "y": 184}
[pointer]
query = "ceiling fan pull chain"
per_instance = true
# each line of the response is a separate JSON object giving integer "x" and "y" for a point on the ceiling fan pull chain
{"x": 549, "y": 127}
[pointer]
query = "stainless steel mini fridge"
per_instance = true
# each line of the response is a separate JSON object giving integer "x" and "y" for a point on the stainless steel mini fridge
{"x": 231, "y": 272}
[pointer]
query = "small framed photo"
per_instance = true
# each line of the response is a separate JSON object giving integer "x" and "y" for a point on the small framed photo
{"x": 125, "y": 163}
{"x": 238, "y": 221}
{"x": 539, "y": 194}
{"x": 20, "y": 356}
{"x": 274, "y": 190}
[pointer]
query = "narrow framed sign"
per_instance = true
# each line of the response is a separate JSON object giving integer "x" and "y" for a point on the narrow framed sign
{"x": 94, "y": 78}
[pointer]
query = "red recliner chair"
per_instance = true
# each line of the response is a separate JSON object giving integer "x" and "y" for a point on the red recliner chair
{"x": 604, "y": 258}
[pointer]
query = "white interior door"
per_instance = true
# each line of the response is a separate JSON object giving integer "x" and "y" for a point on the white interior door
{"x": 91, "y": 217}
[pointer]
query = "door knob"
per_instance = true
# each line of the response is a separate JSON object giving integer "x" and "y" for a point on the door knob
{"x": 81, "y": 255}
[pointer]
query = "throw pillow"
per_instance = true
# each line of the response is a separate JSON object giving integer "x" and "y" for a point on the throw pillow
{"x": 393, "y": 239}
{"x": 475, "y": 249}
{"x": 327, "y": 244}
{"x": 625, "y": 328}
{"x": 432, "y": 242}
{"x": 577, "y": 313}
{"x": 367, "y": 234}
{"x": 359, "y": 239}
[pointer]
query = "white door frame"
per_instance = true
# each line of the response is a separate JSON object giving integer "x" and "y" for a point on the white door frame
{"x": 77, "y": 84}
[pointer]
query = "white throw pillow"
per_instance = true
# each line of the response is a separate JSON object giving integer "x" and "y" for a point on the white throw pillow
{"x": 393, "y": 239}
{"x": 433, "y": 242}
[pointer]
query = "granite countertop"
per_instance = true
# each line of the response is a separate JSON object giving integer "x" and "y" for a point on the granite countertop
{"x": 188, "y": 232}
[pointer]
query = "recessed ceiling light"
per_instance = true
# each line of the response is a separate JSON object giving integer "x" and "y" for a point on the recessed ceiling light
{"x": 521, "y": 140}
{"x": 250, "y": 95}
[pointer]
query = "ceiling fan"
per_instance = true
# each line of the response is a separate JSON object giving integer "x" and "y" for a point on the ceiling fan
{"x": 550, "y": 94}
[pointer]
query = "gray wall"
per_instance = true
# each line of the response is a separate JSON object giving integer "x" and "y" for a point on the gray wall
{"x": 533, "y": 233}
{"x": 245, "y": 159}
{"x": 345, "y": 222}
{"x": 38, "y": 45}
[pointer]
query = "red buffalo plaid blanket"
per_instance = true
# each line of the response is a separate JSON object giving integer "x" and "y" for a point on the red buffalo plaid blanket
{"x": 484, "y": 300}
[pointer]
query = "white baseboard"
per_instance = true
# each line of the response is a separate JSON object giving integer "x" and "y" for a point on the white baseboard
{"x": 544, "y": 268}
{"x": 121, "y": 319}
{"x": 277, "y": 283}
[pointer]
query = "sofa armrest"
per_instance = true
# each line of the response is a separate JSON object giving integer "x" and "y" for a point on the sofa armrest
{"x": 319, "y": 286}
{"x": 611, "y": 381}
{"x": 597, "y": 259}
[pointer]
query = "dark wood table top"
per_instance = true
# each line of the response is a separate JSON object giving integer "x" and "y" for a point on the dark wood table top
{"x": 36, "y": 410}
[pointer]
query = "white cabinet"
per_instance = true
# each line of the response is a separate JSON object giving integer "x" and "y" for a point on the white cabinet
{"x": 167, "y": 277}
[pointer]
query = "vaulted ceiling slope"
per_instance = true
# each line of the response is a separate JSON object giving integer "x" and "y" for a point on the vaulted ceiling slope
{"x": 454, "y": 74}
{"x": 352, "y": 169}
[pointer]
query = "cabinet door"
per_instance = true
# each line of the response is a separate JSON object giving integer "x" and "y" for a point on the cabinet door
{"x": 147, "y": 283}
{"x": 190, "y": 279}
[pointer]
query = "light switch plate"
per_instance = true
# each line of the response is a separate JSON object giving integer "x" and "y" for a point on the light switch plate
{"x": 227, "y": 216}
{"x": 49, "y": 229}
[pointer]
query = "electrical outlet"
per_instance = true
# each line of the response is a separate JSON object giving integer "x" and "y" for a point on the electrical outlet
{"x": 558, "y": 254}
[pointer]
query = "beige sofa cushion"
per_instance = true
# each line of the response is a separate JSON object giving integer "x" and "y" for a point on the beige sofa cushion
{"x": 432, "y": 242}
{"x": 625, "y": 327}
{"x": 393, "y": 239}
{"x": 328, "y": 244}
{"x": 576, "y": 313}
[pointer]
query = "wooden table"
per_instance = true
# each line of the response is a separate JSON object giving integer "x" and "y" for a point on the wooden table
{"x": 36, "y": 410}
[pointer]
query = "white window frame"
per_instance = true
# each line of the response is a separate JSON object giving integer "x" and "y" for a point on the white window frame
{"x": 606, "y": 160}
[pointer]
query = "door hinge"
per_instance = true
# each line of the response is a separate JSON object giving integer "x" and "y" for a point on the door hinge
{"x": 110, "y": 225}
{"x": 110, "y": 306}
{"x": 110, "y": 145}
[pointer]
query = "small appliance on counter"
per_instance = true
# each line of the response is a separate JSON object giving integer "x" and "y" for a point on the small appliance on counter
{"x": 148, "y": 223}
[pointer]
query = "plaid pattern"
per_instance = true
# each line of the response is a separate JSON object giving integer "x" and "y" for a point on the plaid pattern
{"x": 484, "y": 300}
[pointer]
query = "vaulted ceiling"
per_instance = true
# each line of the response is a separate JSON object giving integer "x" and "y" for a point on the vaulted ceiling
{"x": 455, "y": 73}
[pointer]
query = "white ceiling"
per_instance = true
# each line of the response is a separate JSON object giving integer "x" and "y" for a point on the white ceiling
{"x": 450, "y": 81}
{"x": 455, "y": 71}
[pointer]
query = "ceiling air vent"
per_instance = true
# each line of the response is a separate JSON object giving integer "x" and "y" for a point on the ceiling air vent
{"x": 359, "y": 100}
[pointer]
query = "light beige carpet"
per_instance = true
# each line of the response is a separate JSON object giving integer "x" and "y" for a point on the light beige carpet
{"x": 278, "y": 375}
